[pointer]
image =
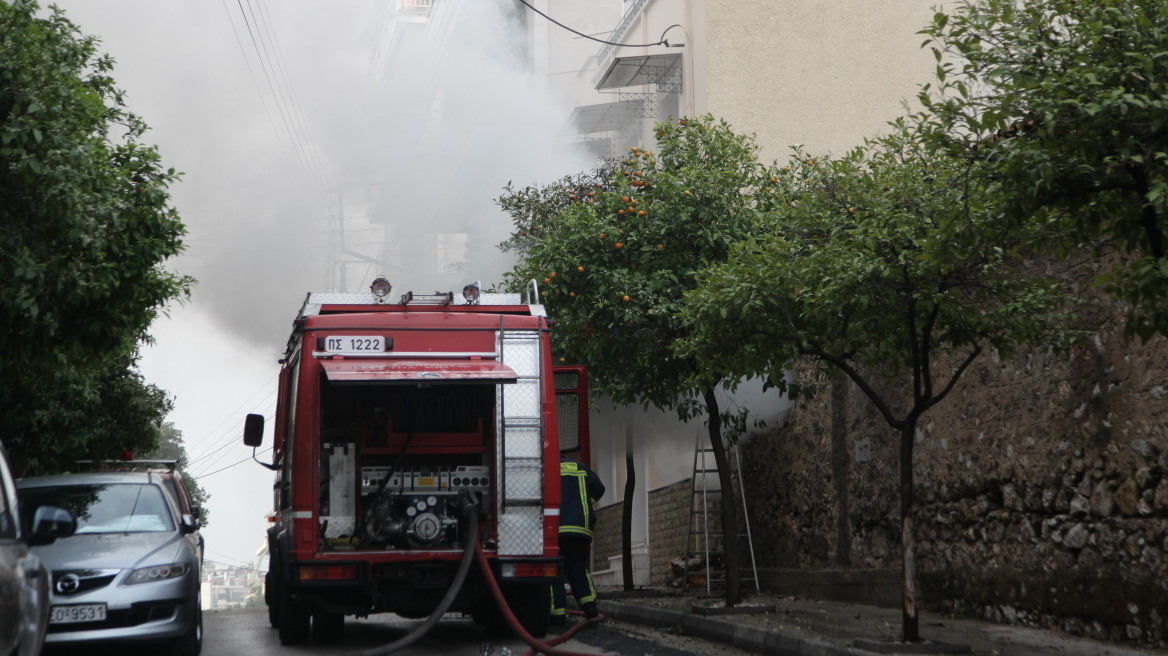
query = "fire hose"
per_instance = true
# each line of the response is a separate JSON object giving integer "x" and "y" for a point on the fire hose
{"x": 536, "y": 646}
{"x": 472, "y": 512}
{"x": 474, "y": 551}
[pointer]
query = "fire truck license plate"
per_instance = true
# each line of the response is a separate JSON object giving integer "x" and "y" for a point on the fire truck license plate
{"x": 74, "y": 614}
{"x": 349, "y": 344}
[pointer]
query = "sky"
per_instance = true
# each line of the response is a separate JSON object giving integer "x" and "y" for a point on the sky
{"x": 284, "y": 126}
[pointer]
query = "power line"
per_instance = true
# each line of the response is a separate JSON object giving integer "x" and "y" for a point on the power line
{"x": 234, "y": 464}
{"x": 301, "y": 151}
{"x": 236, "y": 412}
{"x": 662, "y": 42}
{"x": 225, "y": 445}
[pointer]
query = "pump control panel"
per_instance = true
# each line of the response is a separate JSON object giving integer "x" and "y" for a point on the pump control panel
{"x": 427, "y": 479}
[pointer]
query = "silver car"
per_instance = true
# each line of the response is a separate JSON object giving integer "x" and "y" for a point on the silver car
{"x": 131, "y": 572}
{"x": 24, "y": 581}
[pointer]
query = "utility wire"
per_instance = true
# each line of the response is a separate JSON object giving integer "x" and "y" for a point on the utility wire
{"x": 294, "y": 102}
{"x": 662, "y": 42}
{"x": 234, "y": 464}
{"x": 220, "y": 452}
{"x": 202, "y": 451}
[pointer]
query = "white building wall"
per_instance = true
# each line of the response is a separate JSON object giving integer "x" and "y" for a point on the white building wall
{"x": 822, "y": 73}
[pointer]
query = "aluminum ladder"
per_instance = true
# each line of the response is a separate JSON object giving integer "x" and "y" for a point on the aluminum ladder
{"x": 706, "y": 537}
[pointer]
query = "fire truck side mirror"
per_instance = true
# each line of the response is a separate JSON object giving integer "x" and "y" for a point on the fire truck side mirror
{"x": 253, "y": 430}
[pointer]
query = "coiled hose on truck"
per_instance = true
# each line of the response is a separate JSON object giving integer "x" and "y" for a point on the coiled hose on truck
{"x": 474, "y": 551}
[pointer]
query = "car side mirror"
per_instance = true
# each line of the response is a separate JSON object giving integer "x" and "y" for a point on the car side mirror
{"x": 188, "y": 524}
{"x": 253, "y": 430}
{"x": 50, "y": 523}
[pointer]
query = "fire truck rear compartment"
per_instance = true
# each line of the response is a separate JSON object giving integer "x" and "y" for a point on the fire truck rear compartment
{"x": 431, "y": 442}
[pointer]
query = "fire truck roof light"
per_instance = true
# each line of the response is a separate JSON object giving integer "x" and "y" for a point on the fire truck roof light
{"x": 471, "y": 293}
{"x": 380, "y": 287}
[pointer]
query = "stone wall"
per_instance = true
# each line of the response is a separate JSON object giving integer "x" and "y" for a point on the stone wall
{"x": 606, "y": 539}
{"x": 669, "y": 517}
{"x": 1041, "y": 484}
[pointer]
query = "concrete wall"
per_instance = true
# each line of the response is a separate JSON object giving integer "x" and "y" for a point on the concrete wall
{"x": 822, "y": 73}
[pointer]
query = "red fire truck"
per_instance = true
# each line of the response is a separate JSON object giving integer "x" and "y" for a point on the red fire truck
{"x": 406, "y": 433}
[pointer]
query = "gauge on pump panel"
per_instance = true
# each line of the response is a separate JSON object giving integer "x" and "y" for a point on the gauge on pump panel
{"x": 421, "y": 505}
{"x": 431, "y": 501}
{"x": 411, "y": 511}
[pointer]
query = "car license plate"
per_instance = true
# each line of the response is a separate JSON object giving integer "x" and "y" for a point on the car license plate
{"x": 75, "y": 614}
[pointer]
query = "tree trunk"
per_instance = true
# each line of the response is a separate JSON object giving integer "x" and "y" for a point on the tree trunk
{"x": 910, "y": 619}
{"x": 839, "y": 469}
{"x": 733, "y": 560}
{"x": 627, "y": 523}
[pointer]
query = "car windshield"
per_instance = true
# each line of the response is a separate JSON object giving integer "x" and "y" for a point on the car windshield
{"x": 112, "y": 508}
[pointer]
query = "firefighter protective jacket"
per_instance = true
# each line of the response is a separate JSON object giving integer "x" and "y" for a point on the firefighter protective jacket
{"x": 580, "y": 487}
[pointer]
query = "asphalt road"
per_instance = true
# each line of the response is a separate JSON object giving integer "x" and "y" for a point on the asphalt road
{"x": 246, "y": 631}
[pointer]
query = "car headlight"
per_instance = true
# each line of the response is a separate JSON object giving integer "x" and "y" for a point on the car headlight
{"x": 158, "y": 573}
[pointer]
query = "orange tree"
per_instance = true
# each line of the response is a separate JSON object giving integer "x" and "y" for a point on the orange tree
{"x": 613, "y": 254}
{"x": 1065, "y": 102}
{"x": 890, "y": 267}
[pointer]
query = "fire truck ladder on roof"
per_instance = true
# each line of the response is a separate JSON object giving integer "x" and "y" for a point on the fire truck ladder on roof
{"x": 706, "y": 538}
{"x": 519, "y": 457}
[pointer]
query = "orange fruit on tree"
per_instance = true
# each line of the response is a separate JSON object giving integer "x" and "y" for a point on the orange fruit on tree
{"x": 625, "y": 298}
{"x": 642, "y": 213}
{"x": 580, "y": 269}
{"x": 618, "y": 245}
{"x": 547, "y": 280}
{"x": 620, "y": 212}
{"x": 624, "y": 199}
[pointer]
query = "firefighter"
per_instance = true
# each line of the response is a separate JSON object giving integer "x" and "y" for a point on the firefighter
{"x": 580, "y": 487}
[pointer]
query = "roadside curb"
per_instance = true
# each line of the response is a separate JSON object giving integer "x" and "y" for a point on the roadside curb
{"x": 765, "y": 641}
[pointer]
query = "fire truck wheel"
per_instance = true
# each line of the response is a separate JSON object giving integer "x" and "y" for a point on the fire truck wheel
{"x": 492, "y": 620}
{"x": 272, "y": 594}
{"x": 294, "y": 621}
{"x": 327, "y": 627}
{"x": 531, "y": 603}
